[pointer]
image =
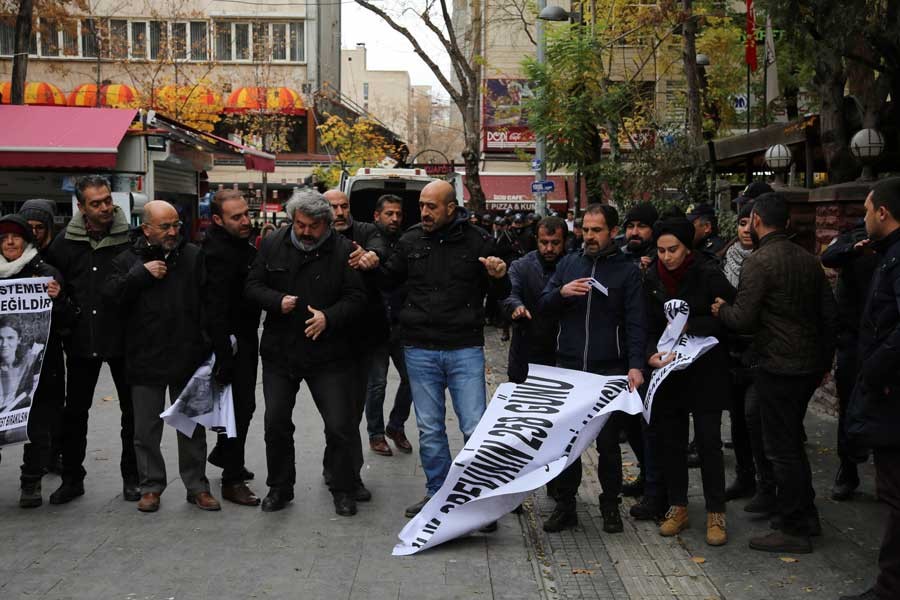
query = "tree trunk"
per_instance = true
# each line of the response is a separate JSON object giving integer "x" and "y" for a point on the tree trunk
{"x": 691, "y": 73}
{"x": 830, "y": 79}
{"x": 472, "y": 152}
{"x": 20, "y": 58}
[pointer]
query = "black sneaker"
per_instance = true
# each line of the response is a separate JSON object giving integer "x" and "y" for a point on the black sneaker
{"x": 361, "y": 493}
{"x": 344, "y": 505}
{"x": 648, "y": 509}
{"x": 30, "y": 496}
{"x": 562, "y": 517}
{"x": 413, "y": 510}
{"x": 67, "y": 492}
{"x": 276, "y": 500}
{"x": 612, "y": 519}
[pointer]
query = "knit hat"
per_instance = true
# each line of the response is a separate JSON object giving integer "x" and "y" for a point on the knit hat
{"x": 16, "y": 224}
{"x": 745, "y": 208}
{"x": 39, "y": 209}
{"x": 642, "y": 212}
{"x": 681, "y": 228}
{"x": 757, "y": 188}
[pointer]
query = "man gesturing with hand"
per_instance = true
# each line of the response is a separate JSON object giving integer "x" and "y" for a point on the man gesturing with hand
{"x": 312, "y": 297}
{"x": 596, "y": 295}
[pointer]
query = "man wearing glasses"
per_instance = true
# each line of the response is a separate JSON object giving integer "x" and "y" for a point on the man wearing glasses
{"x": 160, "y": 285}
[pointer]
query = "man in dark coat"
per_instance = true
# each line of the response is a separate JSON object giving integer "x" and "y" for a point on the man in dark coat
{"x": 160, "y": 284}
{"x": 372, "y": 330}
{"x": 853, "y": 255}
{"x": 534, "y": 334}
{"x": 96, "y": 235}
{"x": 601, "y": 333}
{"x": 785, "y": 299}
{"x": 229, "y": 255}
{"x": 706, "y": 230}
{"x": 639, "y": 246}
{"x": 448, "y": 266}
{"x": 874, "y": 412}
{"x": 313, "y": 299}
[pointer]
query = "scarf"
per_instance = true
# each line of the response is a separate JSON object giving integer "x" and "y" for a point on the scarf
{"x": 299, "y": 245}
{"x": 734, "y": 261}
{"x": 671, "y": 279}
{"x": 11, "y": 268}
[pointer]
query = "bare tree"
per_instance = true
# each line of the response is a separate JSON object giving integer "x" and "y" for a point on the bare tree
{"x": 466, "y": 65}
{"x": 24, "y": 20}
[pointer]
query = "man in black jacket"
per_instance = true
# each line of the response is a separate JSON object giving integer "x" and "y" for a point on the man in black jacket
{"x": 639, "y": 246}
{"x": 389, "y": 220}
{"x": 448, "y": 266}
{"x": 706, "y": 230}
{"x": 534, "y": 334}
{"x": 160, "y": 283}
{"x": 83, "y": 253}
{"x": 853, "y": 255}
{"x": 313, "y": 299}
{"x": 785, "y": 300}
{"x": 229, "y": 255}
{"x": 874, "y": 412}
{"x": 603, "y": 332}
{"x": 372, "y": 329}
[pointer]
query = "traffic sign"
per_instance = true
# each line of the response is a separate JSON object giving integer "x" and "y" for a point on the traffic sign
{"x": 542, "y": 187}
{"x": 536, "y": 164}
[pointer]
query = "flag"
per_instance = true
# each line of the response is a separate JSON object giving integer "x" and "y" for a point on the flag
{"x": 772, "y": 91}
{"x": 750, "y": 44}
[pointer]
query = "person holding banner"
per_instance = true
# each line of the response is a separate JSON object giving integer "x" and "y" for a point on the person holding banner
{"x": 596, "y": 294}
{"x": 160, "y": 284}
{"x": 701, "y": 389}
{"x": 786, "y": 301}
{"x": 22, "y": 359}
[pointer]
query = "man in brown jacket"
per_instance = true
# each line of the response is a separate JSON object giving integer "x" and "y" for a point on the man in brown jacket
{"x": 785, "y": 300}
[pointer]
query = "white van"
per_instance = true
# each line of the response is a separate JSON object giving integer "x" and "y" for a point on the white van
{"x": 370, "y": 183}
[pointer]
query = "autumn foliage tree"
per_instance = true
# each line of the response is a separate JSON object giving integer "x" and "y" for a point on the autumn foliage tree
{"x": 354, "y": 144}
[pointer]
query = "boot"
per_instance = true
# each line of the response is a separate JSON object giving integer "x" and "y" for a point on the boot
{"x": 648, "y": 509}
{"x": 676, "y": 521}
{"x": 563, "y": 517}
{"x": 782, "y": 543}
{"x": 715, "y": 529}
{"x": 30, "y": 496}
{"x": 845, "y": 482}
{"x": 634, "y": 489}
{"x": 612, "y": 518}
{"x": 744, "y": 486}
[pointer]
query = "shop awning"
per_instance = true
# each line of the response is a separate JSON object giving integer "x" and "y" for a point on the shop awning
{"x": 254, "y": 160}
{"x": 502, "y": 191}
{"x": 61, "y": 137}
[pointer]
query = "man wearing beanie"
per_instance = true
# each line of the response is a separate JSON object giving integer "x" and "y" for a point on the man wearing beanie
{"x": 639, "y": 222}
{"x": 40, "y": 213}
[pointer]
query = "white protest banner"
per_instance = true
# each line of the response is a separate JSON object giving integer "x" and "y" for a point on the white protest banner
{"x": 687, "y": 348}
{"x": 24, "y": 330}
{"x": 528, "y": 435}
{"x": 203, "y": 402}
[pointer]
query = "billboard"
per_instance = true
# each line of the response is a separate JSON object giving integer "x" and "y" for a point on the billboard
{"x": 505, "y": 121}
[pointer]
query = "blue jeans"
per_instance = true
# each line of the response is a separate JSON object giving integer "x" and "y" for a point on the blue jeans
{"x": 431, "y": 372}
{"x": 391, "y": 350}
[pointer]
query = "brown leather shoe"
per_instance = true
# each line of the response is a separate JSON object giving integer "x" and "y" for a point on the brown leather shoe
{"x": 399, "y": 439}
{"x": 149, "y": 502}
{"x": 204, "y": 501}
{"x": 379, "y": 446}
{"x": 239, "y": 493}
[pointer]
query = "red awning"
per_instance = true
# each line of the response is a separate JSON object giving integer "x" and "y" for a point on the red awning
{"x": 514, "y": 191}
{"x": 254, "y": 160}
{"x": 51, "y": 137}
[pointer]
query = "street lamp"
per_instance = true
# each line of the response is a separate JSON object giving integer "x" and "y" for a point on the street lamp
{"x": 779, "y": 159}
{"x": 867, "y": 145}
{"x": 553, "y": 13}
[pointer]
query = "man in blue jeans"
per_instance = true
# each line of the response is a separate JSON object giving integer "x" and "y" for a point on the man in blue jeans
{"x": 448, "y": 266}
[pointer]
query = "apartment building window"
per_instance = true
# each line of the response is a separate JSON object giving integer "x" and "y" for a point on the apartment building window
{"x": 49, "y": 38}
{"x": 70, "y": 37}
{"x": 118, "y": 38}
{"x": 89, "y": 38}
{"x": 279, "y": 41}
{"x": 138, "y": 39}
{"x": 199, "y": 41}
{"x": 7, "y": 37}
{"x": 179, "y": 41}
{"x": 223, "y": 41}
{"x": 298, "y": 43}
{"x": 260, "y": 41}
{"x": 158, "y": 35}
{"x": 242, "y": 41}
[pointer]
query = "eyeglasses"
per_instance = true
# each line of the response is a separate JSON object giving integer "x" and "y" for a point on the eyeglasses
{"x": 167, "y": 226}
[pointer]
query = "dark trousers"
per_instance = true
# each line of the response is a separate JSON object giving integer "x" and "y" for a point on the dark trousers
{"x": 740, "y": 434}
{"x": 377, "y": 383}
{"x": 83, "y": 374}
{"x": 149, "y": 402}
{"x": 609, "y": 458}
{"x": 765, "y": 472}
{"x": 331, "y": 390}
{"x": 782, "y": 406}
{"x": 357, "y": 376}
{"x": 845, "y": 373}
{"x": 45, "y": 410}
{"x": 243, "y": 389}
{"x": 674, "y": 430}
{"x": 652, "y": 461}
{"x": 887, "y": 478}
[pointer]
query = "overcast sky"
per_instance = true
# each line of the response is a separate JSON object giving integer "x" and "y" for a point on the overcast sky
{"x": 388, "y": 50}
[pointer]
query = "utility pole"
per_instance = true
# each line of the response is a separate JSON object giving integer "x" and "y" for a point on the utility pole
{"x": 540, "y": 174}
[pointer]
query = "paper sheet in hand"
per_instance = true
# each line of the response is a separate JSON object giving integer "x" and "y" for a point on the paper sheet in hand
{"x": 203, "y": 402}
{"x": 599, "y": 287}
